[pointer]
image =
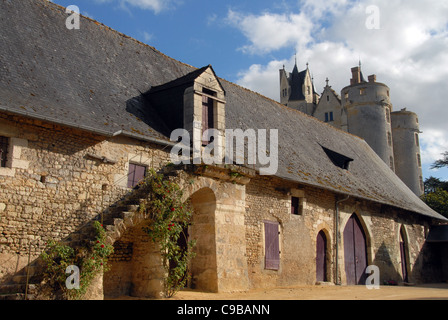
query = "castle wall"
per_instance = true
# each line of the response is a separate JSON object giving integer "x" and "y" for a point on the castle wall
{"x": 405, "y": 131}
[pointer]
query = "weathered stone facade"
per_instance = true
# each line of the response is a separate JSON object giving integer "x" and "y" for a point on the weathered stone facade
{"x": 62, "y": 187}
{"x": 267, "y": 199}
{"x": 72, "y": 146}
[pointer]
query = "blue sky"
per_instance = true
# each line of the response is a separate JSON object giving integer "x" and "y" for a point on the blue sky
{"x": 247, "y": 42}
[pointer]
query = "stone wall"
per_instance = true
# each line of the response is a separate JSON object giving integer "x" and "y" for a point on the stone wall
{"x": 269, "y": 199}
{"x": 58, "y": 186}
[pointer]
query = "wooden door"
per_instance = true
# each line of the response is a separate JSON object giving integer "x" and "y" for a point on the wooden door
{"x": 272, "y": 246}
{"x": 404, "y": 270}
{"x": 321, "y": 257}
{"x": 355, "y": 252}
{"x": 136, "y": 174}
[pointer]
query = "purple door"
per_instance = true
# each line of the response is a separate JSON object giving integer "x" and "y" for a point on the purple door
{"x": 136, "y": 174}
{"x": 321, "y": 257}
{"x": 404, "y": 269}
{"x": 355, "y": 253}
{"x": 272, "y": 252}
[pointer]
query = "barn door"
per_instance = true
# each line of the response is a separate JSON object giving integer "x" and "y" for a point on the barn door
{"x": 321, "y": 257}
{"x": 355, "y": 253}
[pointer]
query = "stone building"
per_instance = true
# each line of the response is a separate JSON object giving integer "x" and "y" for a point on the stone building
{"x": 364, "y": 108}
{"x": 84, "y": 113}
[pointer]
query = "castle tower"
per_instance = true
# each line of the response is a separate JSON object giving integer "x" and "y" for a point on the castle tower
{"x": 408, "y": 167}
{"x": 368, "y": 110}
{"x": 297, "y": 90}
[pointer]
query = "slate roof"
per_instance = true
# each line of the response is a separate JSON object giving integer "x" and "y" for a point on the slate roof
{"x": 296, "y": 81}
{"x": 94, "y": 78}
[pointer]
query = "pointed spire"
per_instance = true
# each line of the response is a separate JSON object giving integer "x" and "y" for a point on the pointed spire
{"x": 295, "y": 56}
{"x": 326, "y": 80}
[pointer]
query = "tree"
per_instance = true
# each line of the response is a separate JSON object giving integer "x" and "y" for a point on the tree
{"x": 436, "y": 190}
{"x": 431, "y": 184}
{"x": 437, "y": 201}
{"x": 441, "y": 162}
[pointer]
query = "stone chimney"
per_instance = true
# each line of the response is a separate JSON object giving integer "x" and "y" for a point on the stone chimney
{"x": 372, "y": 78}
{"x": 356, "y": 75}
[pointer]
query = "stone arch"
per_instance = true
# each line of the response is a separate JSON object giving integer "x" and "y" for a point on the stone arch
{"x": 355, "y": 246}
{"x": 136, "y": 265}
{"x": 204, "y": 264}
{"x": 403, "y": 241}
{"x": 328, "y": 253}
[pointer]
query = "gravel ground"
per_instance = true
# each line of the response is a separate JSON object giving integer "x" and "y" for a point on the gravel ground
{"x": 437, "y": 291}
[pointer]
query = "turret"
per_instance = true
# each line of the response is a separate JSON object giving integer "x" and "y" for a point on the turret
{"x": 297, "y": 90}
{"x": 368, "y": 110}
{"x": 408, "y": 166}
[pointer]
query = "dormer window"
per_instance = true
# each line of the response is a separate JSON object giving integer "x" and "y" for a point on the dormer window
{"x": 338, "y": 159}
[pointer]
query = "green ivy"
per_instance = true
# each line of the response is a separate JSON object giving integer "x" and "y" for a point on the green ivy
{"x": 91, "y": 260}
{"x": 168, "y": 220}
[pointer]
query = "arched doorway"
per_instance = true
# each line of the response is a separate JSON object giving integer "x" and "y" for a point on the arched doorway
{"x": 355, "y": 251}
{"x": 321, "y": 256}
{"x": 404, "y": 269}
{"x": 204, "y": 264}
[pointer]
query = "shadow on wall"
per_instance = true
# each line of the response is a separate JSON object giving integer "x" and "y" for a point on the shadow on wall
{"x": 431, "y": 264}
{"x": 385, "y": 263}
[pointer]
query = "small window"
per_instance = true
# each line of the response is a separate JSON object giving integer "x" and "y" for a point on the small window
{"x": 271, "y": 245}
{"x": 417, "y": 143}
{"x": 207, "y": 113}
{"x": 308, "y": 89}
{"x": 136, "y": 174}
{"x": 346, "y": 96}
{"x": 362, "y": 91}
{"x": 4, "y": 146}
{"x": 328, "y": 98}
{"x": 387, "y": 115}
{"x": 391, "y": 163}
{"x": 296, "y": 205}
{"x": 389, "y": 139}
{"x": 419, "y": 160}
{"x": 328, "y": 116}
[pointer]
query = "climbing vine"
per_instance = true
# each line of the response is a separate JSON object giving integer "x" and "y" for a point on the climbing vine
{"x": 168, "y": 221}
{"x": 90, "y": 259}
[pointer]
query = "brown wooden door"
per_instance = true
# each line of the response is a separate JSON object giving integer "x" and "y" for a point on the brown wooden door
{"x": 321, "y": 257}
{"x": 272, "y": 246}
{"x": 355, "y": 253}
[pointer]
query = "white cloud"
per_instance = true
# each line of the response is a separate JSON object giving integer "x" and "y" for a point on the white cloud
{"x": 147, "y": 36}
{"x": 269, "y": 32}
{"x": 155, "y": 5}
{"x": 409, "y": 53}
